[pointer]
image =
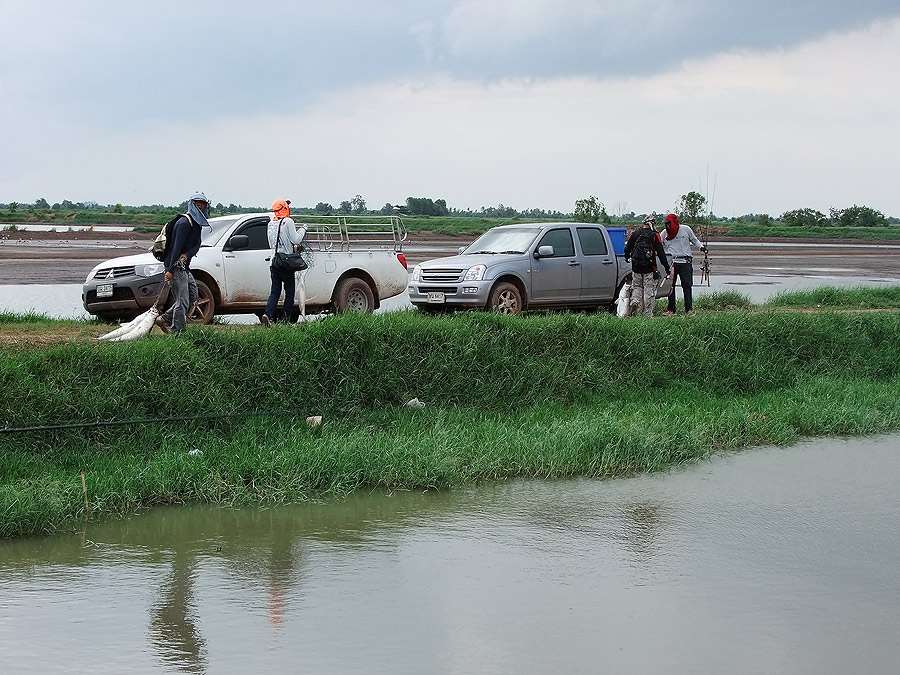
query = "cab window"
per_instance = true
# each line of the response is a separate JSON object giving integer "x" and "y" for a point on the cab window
{"x": 256, "y": 231}
{"x": 561, "y": 241}
{"x": 592, "y": 241}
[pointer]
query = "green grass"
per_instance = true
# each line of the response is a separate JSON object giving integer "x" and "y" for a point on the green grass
{"x": 840, "y": 298}
{"x": 549, "y": 395}
{"x": 890, "y": 233}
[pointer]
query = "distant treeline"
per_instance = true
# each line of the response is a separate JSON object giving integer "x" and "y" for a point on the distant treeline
{"x": 589, "y": 210}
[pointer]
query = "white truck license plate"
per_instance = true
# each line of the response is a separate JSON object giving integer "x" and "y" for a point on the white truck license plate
{"x": 436, "y": 298}
{"x": 104, "y": 290}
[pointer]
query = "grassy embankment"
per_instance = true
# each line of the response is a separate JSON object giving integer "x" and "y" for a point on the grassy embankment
{"x": 550, "y": 395}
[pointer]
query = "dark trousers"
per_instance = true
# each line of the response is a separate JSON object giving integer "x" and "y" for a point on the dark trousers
{"x": 685, "y": 272}
{"x": 290, "y": 284}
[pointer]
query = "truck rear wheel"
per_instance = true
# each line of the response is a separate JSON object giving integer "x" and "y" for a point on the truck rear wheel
{"x": 353, "y": 295}
{"x": 505, "y": 299}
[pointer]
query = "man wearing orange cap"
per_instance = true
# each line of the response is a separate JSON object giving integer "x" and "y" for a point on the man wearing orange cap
{"x": 285, "y": 238}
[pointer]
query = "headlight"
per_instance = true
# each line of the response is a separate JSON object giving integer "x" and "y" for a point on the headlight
{"x": 475, "y": 273}
{"x": 417, "y": 273}
{"x": 91, "y": 274}
{"x": 151, "y": 270}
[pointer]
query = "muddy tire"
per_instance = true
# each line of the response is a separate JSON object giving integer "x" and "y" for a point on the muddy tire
{"x": 353, "y": 295}
{"x": 204, "y": 309}
{"x": 505, "y": 299}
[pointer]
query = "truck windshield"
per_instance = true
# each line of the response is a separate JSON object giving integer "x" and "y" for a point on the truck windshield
{"x": 209, "y": 236}
{"x": 504, "y": 240}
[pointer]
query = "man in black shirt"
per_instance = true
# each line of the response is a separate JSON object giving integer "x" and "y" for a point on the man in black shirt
{"x": 643, "y": 247}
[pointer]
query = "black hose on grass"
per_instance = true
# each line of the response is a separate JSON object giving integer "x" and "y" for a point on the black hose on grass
{"x": 149, "y": 420}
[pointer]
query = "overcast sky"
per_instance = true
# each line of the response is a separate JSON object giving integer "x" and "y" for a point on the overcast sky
{"x": 762, "y": 105}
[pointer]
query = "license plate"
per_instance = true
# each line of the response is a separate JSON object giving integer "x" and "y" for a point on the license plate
{"x": 437, "y": 298}
{"x": 104, "y": 290}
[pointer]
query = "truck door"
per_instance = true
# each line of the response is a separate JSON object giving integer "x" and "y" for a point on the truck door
{"x": 558, "y": 277}
{"x": 599, "y": 269}
{"x": 247, "y": 278}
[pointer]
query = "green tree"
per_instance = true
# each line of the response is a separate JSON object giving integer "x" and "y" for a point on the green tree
{"x": 117, "y": 208}
{"x": 804, "y": 218}
{"x": 41, "y": 204}
{"x": 691, "y": 206}
{"x": 589, "y": 210}
{"x": 346, "y": 206}
{"x": 858, "y": 216}
{"x": 358, "y": 204}
{"x": 14, "y": 206}
{"x": 424, "y": 206}
{"x": 764, "y": 220}
{"x": 324, "y": 207}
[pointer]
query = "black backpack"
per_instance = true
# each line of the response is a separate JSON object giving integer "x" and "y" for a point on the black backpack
{"x": 643, "y": 254}
{"x": 163, "y": 242}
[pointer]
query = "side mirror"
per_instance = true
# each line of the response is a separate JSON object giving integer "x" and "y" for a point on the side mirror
{"x": 237, "y": 241}
{"x": 461, "y": 249}
{"x": 544, "y": 252}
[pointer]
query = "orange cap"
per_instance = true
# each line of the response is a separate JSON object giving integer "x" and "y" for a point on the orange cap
{"x": 281, "y": 208}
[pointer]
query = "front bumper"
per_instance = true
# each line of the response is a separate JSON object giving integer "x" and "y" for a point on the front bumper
{"x": 130, "y": 295}
{"x": 461, "y": 294}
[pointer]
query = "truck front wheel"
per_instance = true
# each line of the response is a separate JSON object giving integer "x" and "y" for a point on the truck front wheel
{"x": 353, "y": 295}
{"x": 205, "y": 308}
{"x": 505, "y": 299}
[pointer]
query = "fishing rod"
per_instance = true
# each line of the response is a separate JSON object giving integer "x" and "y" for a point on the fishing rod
{"x": 704, "y": 232}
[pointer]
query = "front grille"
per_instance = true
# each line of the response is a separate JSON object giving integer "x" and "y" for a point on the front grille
{"x": 448, "y": 290}
{"x": 119, "y": 293}
{"x": 114, "y": 272}
{"x": 446, "y": 274}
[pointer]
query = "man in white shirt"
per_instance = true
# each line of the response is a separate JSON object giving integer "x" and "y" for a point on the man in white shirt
{"x": 283, "y": 237}
{"x": 677, "y": 240}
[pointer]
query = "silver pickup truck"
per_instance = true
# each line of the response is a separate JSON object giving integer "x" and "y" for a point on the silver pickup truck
{"x": 512, "y": 268}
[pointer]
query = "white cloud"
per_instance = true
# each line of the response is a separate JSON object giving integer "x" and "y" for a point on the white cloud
{"x": 810, "y": 126}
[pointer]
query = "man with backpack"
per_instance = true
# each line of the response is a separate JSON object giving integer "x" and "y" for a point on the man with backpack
{"x": 643, "y": 247}
{"x": 181, "y": 246}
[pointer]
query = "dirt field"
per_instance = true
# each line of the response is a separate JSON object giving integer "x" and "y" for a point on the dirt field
{"x": 67, "y": 257}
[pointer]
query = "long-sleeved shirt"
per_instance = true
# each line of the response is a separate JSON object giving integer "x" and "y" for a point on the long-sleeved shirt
{"x": 186, "y": 240}
{"x": 679, "y": 246}
{"x": 638, "y": 266}
{"x": 291, "y": 235}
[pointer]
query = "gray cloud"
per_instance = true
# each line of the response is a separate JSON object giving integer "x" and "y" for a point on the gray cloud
{"x": 128, "y": 64}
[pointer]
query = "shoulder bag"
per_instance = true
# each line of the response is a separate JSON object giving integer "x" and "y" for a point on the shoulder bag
{"x": 286, "y": 262}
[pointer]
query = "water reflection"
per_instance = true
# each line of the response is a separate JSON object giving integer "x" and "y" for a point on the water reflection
{"x": 174, "y": 630}
{"x": 767, "y": 561}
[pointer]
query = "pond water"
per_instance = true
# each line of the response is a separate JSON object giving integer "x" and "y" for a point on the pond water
{"x": 767, "y": 561}
{"x": 64, "y": 300}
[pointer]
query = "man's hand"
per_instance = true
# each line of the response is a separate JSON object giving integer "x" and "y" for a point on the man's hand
{"x": 167, "y": 277}
{"x": 702, "y": 249}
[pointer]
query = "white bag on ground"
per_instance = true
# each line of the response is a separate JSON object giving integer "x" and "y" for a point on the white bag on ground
{"x": 623, "y": 308}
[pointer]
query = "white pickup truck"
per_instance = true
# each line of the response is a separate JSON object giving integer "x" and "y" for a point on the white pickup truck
{"x": 355, "y": 263}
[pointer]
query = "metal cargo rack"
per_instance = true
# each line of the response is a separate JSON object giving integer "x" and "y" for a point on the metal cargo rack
{"x": 354, "y": 233}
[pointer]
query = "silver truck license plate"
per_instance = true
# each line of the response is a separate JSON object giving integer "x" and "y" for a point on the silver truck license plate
{"x": 104, "y": 290}
{"x": 436, "y": 298}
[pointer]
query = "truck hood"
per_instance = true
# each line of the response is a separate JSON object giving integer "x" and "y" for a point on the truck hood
{"x": 467, "y": 261}
{"x": 126, "y": 261}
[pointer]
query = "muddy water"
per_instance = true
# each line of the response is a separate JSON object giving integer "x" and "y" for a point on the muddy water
{"x": 769, "y": 561}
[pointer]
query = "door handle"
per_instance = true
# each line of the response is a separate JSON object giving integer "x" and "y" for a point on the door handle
{"x": 607, "y": 262}
{"x": 574, "y": 263}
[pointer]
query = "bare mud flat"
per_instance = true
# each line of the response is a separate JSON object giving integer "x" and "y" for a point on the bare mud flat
{"x": 67, "y": 257}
